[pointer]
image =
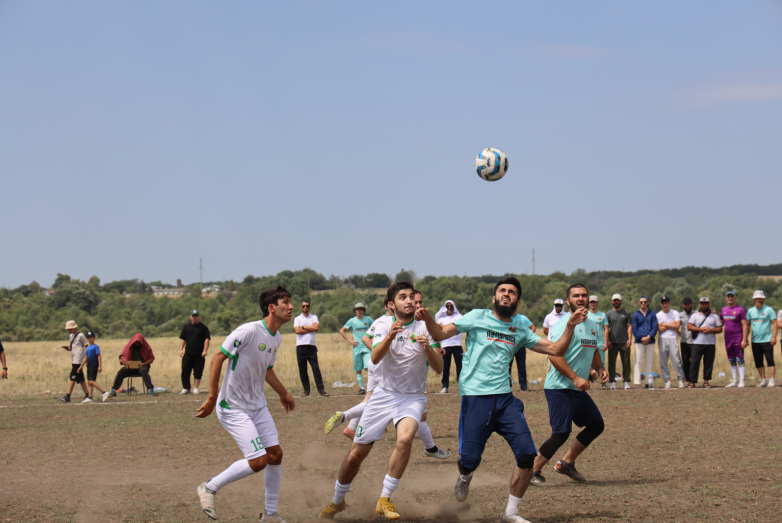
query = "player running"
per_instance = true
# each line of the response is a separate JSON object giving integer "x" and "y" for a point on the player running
{"x": 403, "y": 355}
{"x": 354, "y": 413}
{"x": 241, "y": 405}
{"x": 488, "y": 405}
{"x": 360, "y": 325}
{"x": 565, "y": 388}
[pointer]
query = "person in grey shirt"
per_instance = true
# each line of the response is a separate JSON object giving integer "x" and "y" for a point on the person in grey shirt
{"x": 705, "y": 325}
{"x": 686, "y": 337}
{"x": 620, "y": 330}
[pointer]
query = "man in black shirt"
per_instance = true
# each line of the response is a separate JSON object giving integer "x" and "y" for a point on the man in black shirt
{"x": 193, "y": 346}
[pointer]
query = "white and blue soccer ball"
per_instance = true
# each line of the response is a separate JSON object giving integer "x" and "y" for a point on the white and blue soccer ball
{"x": 491, "y": 164}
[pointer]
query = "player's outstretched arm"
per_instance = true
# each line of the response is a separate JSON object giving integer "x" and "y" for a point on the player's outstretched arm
{"x": 436, "y": 331}
{"x": 559, "y": 363}
{"x": 215, "y": 369}
{"x": 558, "y": 348}
{"x": 285, "y": 398}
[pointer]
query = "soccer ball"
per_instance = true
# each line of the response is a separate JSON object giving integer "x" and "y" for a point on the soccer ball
{"x": 491, "y": 164}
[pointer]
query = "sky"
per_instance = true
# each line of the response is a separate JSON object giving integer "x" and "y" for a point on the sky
{"x": 138, "y": 137}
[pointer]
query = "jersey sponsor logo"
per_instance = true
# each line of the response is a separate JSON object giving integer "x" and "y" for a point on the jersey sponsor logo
{"x": 237, "y": 343}
{"x": 593, "y": 332}
{"x": 586, "y": 342}
{"x": 262, "y": 347}
{"x": 498, "y": 336}
{"x": 512, "y": 329}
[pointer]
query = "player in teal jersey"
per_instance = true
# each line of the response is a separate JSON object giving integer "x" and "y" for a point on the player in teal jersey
{"x": 565, "y": 388}
{"x": 601, "y": 320}
{"x": 360, "y": 325}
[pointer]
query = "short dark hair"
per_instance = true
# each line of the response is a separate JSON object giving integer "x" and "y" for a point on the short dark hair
{"x": 416, "y": 291}
{"x": 508, "y": 280}
{"x": 272, "y": 297}
{"x": 385, "y": 301}
{"x": 398, "y": 286}
{"x": 306, "y": 301}
{"x": 575, "y": 286}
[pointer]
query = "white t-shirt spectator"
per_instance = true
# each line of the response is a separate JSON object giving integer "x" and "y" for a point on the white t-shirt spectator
{"x": 712, "y": 322}
{"x": 671, "y": 317}
{"x": 453, "y": 341}
{"x": 551, "y": 319}
{"x": 305, "y": 321}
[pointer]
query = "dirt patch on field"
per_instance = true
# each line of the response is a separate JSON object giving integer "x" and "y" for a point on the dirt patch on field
{"x": 675, "y": 455}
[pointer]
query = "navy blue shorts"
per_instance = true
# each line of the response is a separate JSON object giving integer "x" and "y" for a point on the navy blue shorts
{"x": 483, "y": 415}
{"x": 568, "y": 405}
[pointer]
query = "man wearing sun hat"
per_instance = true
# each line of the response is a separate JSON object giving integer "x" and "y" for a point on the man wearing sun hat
{"x": 359, "y": 324}
{"x": 704, "y": 325}
{"x": 764, "y": 337}
{"x": 77, "y": 348}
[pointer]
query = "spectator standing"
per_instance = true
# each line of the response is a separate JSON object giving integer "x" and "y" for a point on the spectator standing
{"x": 94, "y": 366}
{"x": 359, "y": 324}
{"x": 448, "y": 314}
{"x": 601, "y": 321}
{"x": 521, "y": 356}
{"x": 736, "y": 325}
{"x": 644, "y": 331}
{"x": 764, "y": 337}
{"x": 5, "y": 365}
{"x": 686, "y": 335}
{"x": 620, "y": 329}
{"x": 668, "y": 324}
{"x": 553, "y": 317}
{"x": 305, "y": 325}
{"x": 705, "y": 325}
{"x": 193, "y": 347}
{"x": 77, "y": 348}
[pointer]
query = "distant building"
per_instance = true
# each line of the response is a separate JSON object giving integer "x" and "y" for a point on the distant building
{"x": 179, "y": 283}
{"x": 157, "y": 291}
{"x": 48, "y": 292}
{"x": 210, "y": 289}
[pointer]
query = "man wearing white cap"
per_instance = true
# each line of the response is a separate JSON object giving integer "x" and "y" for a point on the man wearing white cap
{"x": 553, "y": 317}
{"x": 764, "y": 337}
{"x": 77, "y": 348}
{"x": 360, "y": 325}
{"x": 448, "y": 314}
{"x": 704, "y": 325}
{"x": 601, "y": 320}
{"x": 620, "y": 329}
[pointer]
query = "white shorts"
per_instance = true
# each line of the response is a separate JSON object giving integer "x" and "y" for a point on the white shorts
{"x": 384, "y": 406}
{"x": 253, "y": 430}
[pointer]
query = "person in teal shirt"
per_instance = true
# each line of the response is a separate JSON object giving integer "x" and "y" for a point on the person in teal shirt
{"x": 488, "y": 406}
{"x": 521, "y": 357}
{"x": 762, "y": 321}
{"x": 565, "y": 389}
{"x": 601, "y": 320}
{"x": 360, "y": 325}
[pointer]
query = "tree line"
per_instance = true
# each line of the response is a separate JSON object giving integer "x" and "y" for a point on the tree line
{"x": 119, "y": 309}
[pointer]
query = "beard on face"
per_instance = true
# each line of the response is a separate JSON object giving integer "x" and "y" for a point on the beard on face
{"x": 505, "y": 311}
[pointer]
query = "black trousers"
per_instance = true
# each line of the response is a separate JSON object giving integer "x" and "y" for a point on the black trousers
{"x": 124, "y": 373}
{"x": 705, "y": 352}
{"x": 192, "y": 363}
{"x": 619, "y": 349}
{"x": 521, "y": 367}
{"x": 305, "y": 353}
{"x": 686, "y": 360}
{"x": 456, "y": 352}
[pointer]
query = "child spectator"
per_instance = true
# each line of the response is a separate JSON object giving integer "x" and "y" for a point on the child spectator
{"x": 94, "y": 366}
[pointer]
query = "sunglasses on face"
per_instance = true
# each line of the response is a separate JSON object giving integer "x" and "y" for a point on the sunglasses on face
{"x": 305, "y": 306}
{"x": 642, "y": 302}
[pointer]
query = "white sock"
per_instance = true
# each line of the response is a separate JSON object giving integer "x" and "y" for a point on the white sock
{"x": 238, "y": 470}
{"x": 340, "y": 491}
{"x": 742, "y": 372}
{"x": 353, "y": 425}
{"x": 389, "y": 486}
{"x": 272, "y": 478}
{"x": 354, "y": 412}
{"x": 425, "y": 433}
{"x": 513, "y": 505}
{"x": 735, "y": 372}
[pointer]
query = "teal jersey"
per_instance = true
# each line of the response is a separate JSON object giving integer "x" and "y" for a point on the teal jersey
{"x": 601, "y": 320}
{"x": 761, "y": 321}
{"x": 578, "y": 355}
{"x": 523, "y": 320}
{"x": 359, "y": 327}
{"x": 490, "y": 347}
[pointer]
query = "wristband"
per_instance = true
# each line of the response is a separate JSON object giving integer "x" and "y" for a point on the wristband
{"x": 5, "y": 368}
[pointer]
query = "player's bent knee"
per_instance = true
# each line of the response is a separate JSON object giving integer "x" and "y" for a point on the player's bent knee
{"x": 590, "y": 433}
{"x": 467, "y": 465}
{"x": 552, "y": 444}
{"x": 526, "y": 461}
{"x": 274, "y": 455}
{"x": 257, "y": 464}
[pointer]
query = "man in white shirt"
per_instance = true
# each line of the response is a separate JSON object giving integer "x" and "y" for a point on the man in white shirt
{"x": 241, "y": 404}
{"x": 704, "y": 325}
{"x": 77, "y": 348}
{"x": 448, "y": 314}
{"x": 553, "y": 317}
{"x": 403, "y": 354}
{"x": 668, "y": 323}
{"x": 305, "y": 325}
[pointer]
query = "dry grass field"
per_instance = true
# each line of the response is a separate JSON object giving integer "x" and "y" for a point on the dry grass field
{"x": 43, "y": 368}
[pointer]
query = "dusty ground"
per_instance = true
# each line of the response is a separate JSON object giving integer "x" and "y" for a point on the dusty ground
{"x": 676, "y": 455}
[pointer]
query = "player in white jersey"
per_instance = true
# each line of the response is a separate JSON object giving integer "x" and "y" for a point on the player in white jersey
{"x": 354, "y": 413}
{"x": 403, "y": 355}
{"x": 241, "y": 404}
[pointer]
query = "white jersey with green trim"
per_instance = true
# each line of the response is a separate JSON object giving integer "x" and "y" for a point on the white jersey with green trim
{"x": 251, "y": 350}
{"x": 404, "y": 367}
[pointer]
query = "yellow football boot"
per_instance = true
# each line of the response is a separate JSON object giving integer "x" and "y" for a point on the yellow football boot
{"x": 386, "y": 508}
{"x": 331, "y": 509}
